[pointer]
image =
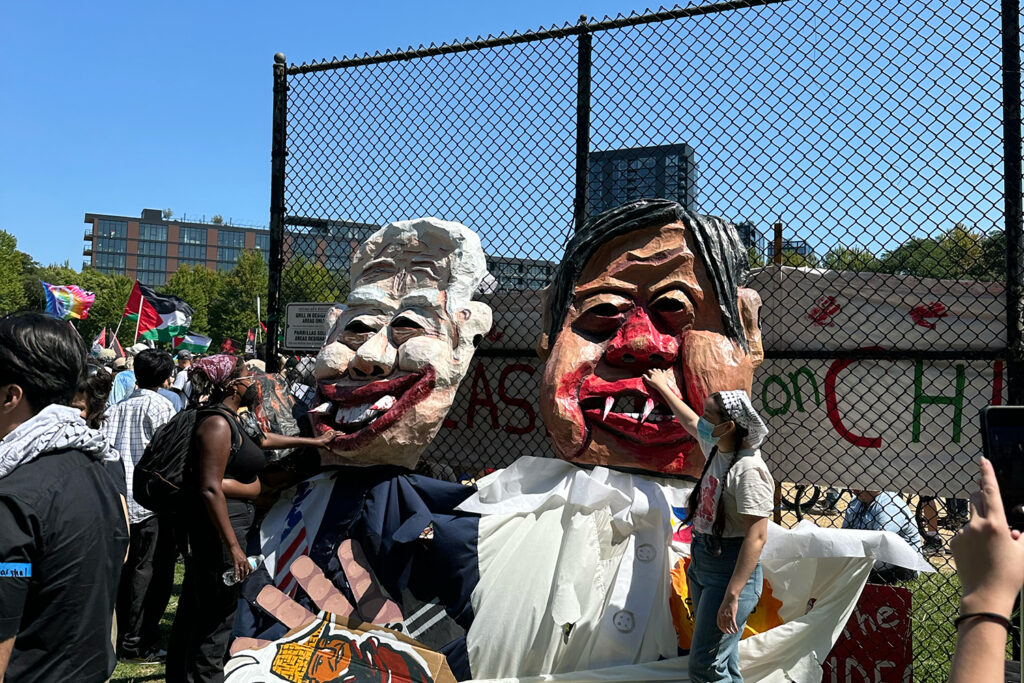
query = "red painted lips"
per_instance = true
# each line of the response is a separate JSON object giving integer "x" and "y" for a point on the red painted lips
{"x": 407, "y": 390}
{"x": 629, "y": 417}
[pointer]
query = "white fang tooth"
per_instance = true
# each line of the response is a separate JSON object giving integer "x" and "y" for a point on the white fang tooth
{"x": 608, "y": 403}
{"x": 322, "y": 408}
{"x": 383, "y": 403}
{"x": 648, "y": 407}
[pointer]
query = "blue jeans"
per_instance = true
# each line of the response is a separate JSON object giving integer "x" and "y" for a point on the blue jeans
{"x": 715, "y": 656}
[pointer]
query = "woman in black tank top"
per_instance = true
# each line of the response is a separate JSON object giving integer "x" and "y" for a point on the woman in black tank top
{"x": 229, "y": 464}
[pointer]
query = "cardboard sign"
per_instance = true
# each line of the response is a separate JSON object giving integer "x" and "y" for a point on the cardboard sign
{"x": 336, "y": 648}
{"x": 877, "y": 644}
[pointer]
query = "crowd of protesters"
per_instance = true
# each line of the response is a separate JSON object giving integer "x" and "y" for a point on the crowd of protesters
{"x": 86, "y": 571}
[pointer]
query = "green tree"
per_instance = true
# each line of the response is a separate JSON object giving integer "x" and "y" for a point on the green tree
{"x": 167, "y": 214}
{"x": 852, "y": 258}
{"x": 798, "y": 260}
{"x": 954, "y": 254}
{"x": 305, "y": 280}
{"x": 199, "y": 288}
{"x": 12, "y": 291}
{"x": 233, "y": 311}
{"x": 992, "y": 263}
{"x": 217, "y": 219}
{"x": 755, "y": 257}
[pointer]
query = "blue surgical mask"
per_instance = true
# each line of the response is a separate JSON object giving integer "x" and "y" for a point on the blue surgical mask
{"x": 705, "y": 430}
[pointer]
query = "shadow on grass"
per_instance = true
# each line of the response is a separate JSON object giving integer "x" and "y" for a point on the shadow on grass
{"x": 134, "y": 678}
{"x": 128, "y": 672}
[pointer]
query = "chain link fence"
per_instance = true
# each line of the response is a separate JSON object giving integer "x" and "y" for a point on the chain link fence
{"x": 859, "y": 150}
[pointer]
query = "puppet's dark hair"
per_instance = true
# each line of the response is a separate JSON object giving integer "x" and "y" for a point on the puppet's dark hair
{"x": 715, "y": 242}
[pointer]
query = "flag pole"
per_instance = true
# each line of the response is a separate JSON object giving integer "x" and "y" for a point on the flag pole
{"x": 118, "y": 328}
{"x": 259, "y": 320}
{"x": 138, "y": 322}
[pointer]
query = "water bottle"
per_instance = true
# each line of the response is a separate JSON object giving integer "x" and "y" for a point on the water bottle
{"x": 254, "y": 562}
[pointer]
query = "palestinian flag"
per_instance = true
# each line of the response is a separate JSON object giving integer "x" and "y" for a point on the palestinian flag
{"x": 116, "y": 345}
{"x": 196, "y": 343}
{"x": 250, "y": 341}
{"x": 100, "y": 342}
{"x": 163, "y": 317}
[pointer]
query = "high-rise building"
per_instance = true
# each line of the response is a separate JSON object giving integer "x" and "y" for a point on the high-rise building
{"x": 621, "y": 175}
{"x": 519, "y": 273}
{"x": 799, "y": 247}
{"x": 151, "y": 248}
{"x": 751, "y": 237}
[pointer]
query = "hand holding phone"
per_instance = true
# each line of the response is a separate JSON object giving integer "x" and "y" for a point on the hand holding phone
{"x": 1002, "y": 434}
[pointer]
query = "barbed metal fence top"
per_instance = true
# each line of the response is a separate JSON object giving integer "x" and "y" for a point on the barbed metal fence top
{"x": 883, "y": 139}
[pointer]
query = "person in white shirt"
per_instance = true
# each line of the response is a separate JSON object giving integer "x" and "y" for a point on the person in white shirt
{"x": 182, "y": 383}
{"x": 729, "y": 509}
{"x": 148, "y": 574}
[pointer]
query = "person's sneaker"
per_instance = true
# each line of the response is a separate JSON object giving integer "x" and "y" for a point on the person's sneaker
{"x": 152, "y": 656}
{"x": 953, "y": 523}
{"x": 933, "y": 545}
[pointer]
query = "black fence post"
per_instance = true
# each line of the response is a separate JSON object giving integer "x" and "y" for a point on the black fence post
{"x": 278, "y": 152}
{"x": 582, "y": 123}
{"x": 1012, "y": 198}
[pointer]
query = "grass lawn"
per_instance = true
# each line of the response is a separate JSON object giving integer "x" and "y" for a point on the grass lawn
{"x": 936, "y": 601}
{"x": 936, "y": 605}
{"x": 131, "y": 673}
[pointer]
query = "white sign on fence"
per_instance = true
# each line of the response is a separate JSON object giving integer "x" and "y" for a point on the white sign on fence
{"x": 304, "y": 325}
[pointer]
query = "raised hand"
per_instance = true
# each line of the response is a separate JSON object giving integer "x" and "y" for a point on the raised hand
{"x": 989, "y": 555}
{"x": 372, "y": 604}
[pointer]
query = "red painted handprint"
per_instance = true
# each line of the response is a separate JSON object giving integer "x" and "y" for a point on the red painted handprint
{"x": 921, "y": 314}
{"x": 824, "y": 308}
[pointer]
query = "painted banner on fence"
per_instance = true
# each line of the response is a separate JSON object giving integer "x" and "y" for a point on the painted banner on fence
{"x": 912, "y": 425}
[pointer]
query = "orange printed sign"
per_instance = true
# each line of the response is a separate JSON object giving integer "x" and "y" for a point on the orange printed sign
{"x": 765, "y": 615}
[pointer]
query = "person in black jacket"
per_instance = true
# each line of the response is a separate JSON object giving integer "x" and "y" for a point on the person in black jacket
{"x": 63, "y": 533}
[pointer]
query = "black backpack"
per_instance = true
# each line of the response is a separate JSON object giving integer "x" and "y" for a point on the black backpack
{"x": 159, "y": 482}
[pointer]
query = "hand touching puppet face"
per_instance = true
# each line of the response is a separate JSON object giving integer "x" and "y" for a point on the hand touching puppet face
{"x": 646, "y": 285}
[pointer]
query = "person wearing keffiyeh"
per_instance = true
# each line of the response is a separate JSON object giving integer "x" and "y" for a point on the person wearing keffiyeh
{"x": 63, "y": 533}
{"x": 729, "y": 509}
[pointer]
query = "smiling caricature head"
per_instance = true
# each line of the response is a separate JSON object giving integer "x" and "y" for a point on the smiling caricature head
{"x": 394, "y": 358}
{"x": 645, "y": 285}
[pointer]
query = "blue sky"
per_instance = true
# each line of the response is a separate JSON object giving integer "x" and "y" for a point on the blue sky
{"x": 857, "y": 129}
{"x": 115, "y": 106}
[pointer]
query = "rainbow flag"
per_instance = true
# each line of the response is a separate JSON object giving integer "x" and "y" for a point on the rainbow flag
{"x": 67, "y": 301}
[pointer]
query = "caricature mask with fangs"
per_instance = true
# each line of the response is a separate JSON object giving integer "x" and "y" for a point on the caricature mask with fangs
{"x": 646, "y": 285}
{"x": 393, "y": 360}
